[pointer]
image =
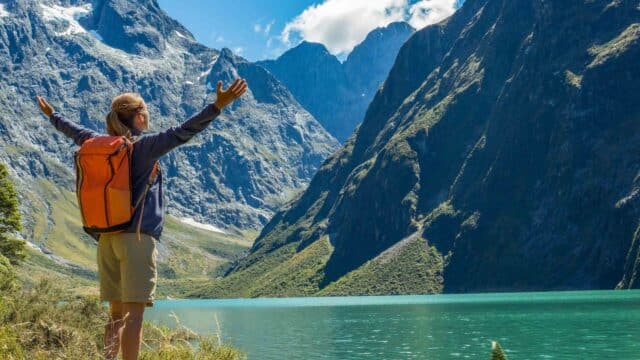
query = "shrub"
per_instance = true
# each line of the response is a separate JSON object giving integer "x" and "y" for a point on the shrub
{"x": 45, "y": 323}
{"x": 496, "y": 351}
{"x": 11, "y": 248}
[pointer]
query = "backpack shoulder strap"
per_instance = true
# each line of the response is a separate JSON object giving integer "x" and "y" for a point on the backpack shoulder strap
{"x": 154, "y": 172}
{"x": 152, "y": 176}
{"x": 152, "y": 179}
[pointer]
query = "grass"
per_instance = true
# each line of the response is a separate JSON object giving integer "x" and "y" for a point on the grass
{"x": 284, "y": 272}
{"x": 47, "y": 322}
{"x": 409, "y": 267}
{"x": 37, "y": 266}
{"x": 616, "y": 46}
{"x": 57, "y": 224}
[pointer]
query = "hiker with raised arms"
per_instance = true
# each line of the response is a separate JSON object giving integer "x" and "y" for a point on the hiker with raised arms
{"x": 119, "y": 188}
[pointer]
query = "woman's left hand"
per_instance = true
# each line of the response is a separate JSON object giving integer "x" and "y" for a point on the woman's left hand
{"x": 44, "y": 106}
{"x": 226, "y": 97}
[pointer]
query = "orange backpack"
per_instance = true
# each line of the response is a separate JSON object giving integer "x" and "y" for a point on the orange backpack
{"x": 104, "y": 186}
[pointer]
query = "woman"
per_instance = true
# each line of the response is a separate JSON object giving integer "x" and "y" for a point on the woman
{"x": 126, "y": 264}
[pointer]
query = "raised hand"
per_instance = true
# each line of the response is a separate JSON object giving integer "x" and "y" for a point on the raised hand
{"x": 44, "y": 106}
{"x": 226, "y": 97}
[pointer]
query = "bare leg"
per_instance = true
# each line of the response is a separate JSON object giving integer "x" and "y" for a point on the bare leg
{"x": 112, "y": 330}
{"x": 131, "y": 333}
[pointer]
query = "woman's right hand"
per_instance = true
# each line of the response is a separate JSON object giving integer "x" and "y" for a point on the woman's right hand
{"x": 226, "y": 97}
{"x": 44, "y": 106}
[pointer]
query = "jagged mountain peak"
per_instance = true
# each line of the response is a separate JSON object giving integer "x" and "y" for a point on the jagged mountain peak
{"x": 136, "y": 27}
{"x": 228, "y": 55}
{"x": 311, "y": 46}
{"x": 224, "y": 67}
{"x": 394, "y": 27}
{"x": 336, "y": 93}
{"x": 264, "y": 87}
{"x": 309, "y": 51}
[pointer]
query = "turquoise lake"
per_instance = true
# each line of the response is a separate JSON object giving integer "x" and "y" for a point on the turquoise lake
{"x": 544, "y": 325}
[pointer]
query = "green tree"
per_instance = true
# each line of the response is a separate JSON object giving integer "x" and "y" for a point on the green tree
{"x": 12, "y": 248}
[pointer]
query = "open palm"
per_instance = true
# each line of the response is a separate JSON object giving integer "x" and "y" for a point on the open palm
{"x": 226, "y": 97}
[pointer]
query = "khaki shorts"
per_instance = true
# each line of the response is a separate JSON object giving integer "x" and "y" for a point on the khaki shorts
{"x": 127, "y": 267}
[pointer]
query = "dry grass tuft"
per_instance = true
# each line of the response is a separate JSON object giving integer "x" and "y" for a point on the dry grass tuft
{"x": 44, "y": 322}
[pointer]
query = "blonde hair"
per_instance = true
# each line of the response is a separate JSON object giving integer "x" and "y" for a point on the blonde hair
{"x": 124, "y": 107}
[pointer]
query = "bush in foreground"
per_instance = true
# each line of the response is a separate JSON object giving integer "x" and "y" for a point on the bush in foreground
{"x": 44, "y": 323}
{"x": 496, "y": 351}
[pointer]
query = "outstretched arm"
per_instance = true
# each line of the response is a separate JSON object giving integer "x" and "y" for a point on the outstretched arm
{"x": 72, "y": 130}
{"x": 161, "y": 143}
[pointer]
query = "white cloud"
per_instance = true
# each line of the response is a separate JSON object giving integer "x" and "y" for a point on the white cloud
{"x": 238, "y": 50}
{"x": 220, "y": 39}
{"x": 267, "y": 28}
{"x": 342, "y": 24}
{"x": 427, "y": 12}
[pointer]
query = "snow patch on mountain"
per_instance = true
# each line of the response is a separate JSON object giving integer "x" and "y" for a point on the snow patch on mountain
{"x": 70, "y": 15}
{"x": 181, "y": 35}
{"x": 3, "y": 11}
{"x": 206, "y": 72}
{"x": 190, "y": 221}
{"x": 96, "y": 34}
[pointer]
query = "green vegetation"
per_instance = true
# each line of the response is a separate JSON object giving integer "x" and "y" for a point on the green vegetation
{"x": 573, "y": 79}
{"x": 409, "y": 267}
{"x": 616, "y": 46}
{"x": 283, "y": 273}
{"x": 496, "y": 352}
{"x": 45, "y": 322}
{"x": 10, "y": 247}
{"x": 165, "y": 343}
{"x": 59, "y": 227}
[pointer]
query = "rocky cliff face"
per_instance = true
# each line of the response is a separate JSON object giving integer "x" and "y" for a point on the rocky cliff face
{"x": 501, "y": 153}
{"x": 80, "y": 54}
{"x": 337, "y": 94}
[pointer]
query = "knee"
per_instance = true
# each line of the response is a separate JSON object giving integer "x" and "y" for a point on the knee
{"x": 133, "y": 313}
{"x": 132, "y": 317}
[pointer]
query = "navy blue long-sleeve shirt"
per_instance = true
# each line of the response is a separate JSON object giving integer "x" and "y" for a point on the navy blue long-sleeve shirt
{"x": 146, "y": 150}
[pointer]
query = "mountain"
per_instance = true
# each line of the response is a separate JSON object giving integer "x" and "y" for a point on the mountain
{"x": 79, "y": 54}
{"x": 337, "y": 94}
{"x": 502, "y": 153}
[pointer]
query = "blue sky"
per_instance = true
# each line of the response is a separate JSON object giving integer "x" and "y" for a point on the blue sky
{"x": 263, "y": 29}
